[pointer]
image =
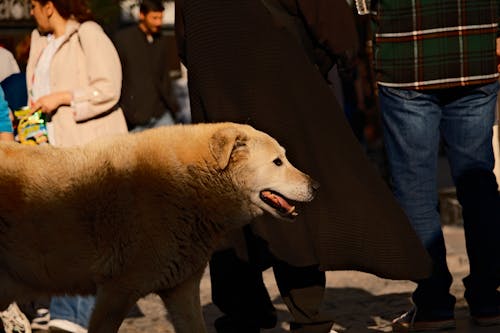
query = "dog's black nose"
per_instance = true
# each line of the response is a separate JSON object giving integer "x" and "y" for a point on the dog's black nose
{"x": 314, "y": 184}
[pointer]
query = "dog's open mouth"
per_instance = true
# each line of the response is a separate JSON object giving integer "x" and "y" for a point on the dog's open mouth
{"x": 279, "y": 203}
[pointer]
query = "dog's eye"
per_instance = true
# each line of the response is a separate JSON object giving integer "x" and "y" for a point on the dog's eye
{"x": 278, "y": 161}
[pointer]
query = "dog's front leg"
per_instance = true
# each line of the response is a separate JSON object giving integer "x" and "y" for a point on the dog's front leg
{"x": 111, "y": 307}
{"x": 184, "y": 307}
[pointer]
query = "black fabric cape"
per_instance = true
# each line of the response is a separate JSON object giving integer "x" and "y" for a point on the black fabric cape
{"x": 245, "y": 66}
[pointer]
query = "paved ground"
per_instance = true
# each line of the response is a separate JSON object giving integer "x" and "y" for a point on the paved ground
{"x": 360, "y": 302}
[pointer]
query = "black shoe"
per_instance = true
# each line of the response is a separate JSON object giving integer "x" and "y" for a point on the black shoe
{"x": 40, "y": 321}
{"x": 414, "y": 321}
{"x": 485, "y": 309}
{"x": 485, "y": 315}
{"x": 486, "y": 320}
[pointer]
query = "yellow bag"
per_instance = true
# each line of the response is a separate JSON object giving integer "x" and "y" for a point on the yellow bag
{"x": 31, "y": 127}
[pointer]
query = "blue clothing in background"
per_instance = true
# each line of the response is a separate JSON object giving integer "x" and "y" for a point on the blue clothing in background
{"x": 16, "y": 93}
{"x": 75, "y": 309}
{"x": 5, "y": 123}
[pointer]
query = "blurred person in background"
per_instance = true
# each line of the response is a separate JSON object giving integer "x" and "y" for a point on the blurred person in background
{"x": 8, "y": 64}
{"x": 14, "y": 80}
{"x": 5, "y": 119}
{"x": 147, "y": 95}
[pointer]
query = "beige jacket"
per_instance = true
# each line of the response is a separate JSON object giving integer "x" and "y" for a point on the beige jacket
{"x": 87, "y": 64}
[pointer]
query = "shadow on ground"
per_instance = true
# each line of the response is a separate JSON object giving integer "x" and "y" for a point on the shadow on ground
{"x": 353, "y": 309}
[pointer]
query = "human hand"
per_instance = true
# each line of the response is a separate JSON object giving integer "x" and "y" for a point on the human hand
{"x": 49, "y": 103}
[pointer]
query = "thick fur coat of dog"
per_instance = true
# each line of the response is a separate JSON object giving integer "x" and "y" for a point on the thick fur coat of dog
{"x": 135, "y": 214}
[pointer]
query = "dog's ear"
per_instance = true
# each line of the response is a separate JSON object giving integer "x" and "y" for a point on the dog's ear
{"x": 224, "y": 142}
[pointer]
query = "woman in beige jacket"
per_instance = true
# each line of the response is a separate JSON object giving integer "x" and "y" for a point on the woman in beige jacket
{"x": 74, "y": 77}
{"x": 79, "y": 86}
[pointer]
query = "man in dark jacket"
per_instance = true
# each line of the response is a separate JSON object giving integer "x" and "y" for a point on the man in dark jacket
{"x": 146, "y": 97}
{"x": 263, "y": 63}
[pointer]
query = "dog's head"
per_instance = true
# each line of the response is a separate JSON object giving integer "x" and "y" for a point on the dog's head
{"x": 258, "y": 166}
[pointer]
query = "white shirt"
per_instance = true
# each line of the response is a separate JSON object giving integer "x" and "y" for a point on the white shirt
{"x": 8, "y": 64}
{"x": 41, "y": 79}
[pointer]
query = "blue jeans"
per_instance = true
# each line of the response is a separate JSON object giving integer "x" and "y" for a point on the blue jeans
{"x": 414, "y": 123}
{"x": 76, "y": 309}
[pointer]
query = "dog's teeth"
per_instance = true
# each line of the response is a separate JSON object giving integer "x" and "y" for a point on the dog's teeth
{"x": 292, "y": 211}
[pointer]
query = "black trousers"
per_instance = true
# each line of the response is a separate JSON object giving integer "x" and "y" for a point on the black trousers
{"x": 238, "y": 290}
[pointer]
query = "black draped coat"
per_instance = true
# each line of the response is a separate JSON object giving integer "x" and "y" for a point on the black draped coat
{"x": 247, "y": 64}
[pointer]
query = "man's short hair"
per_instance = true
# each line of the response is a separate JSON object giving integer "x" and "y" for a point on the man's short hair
{"x": 151, "y": 6}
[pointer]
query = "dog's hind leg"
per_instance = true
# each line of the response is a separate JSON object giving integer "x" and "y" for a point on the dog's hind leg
{"x": 111, "y": 307}
{"x": 184, "y": 307}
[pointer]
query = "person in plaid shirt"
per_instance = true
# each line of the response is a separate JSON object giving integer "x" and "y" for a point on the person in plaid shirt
{"x": 436, "y": 65}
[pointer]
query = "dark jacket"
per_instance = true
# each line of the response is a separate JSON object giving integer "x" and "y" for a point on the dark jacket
{"x": 146, "y": 89}
{"x": 245, "y": 65}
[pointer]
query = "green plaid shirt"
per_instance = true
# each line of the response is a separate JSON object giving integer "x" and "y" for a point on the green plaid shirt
{"x": 429, "y": 44}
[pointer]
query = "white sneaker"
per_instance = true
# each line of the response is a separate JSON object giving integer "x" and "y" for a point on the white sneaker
{"x": 62, "y": 325}
{"x": 14, "y": 320}
{"x": 41, "y": 320}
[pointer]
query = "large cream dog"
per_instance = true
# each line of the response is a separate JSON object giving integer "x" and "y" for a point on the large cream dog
{"x": 135, "y": 214}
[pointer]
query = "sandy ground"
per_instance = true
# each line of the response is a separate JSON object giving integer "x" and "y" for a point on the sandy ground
{"x": 359, "y": 302}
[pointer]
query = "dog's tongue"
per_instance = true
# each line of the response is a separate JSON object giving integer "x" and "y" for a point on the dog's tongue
{"x": 279, "y": 201}
{"x": 284, "y": 204}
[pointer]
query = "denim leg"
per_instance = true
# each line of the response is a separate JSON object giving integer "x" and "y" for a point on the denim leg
{"x": 411, "y": 134}
{"x": 164, "y": 120}
{"x": 76, "y": 309}
{"x": 467, "y": 131}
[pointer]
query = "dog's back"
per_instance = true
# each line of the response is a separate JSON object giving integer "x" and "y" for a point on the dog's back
{"x": 72, "y": 218}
